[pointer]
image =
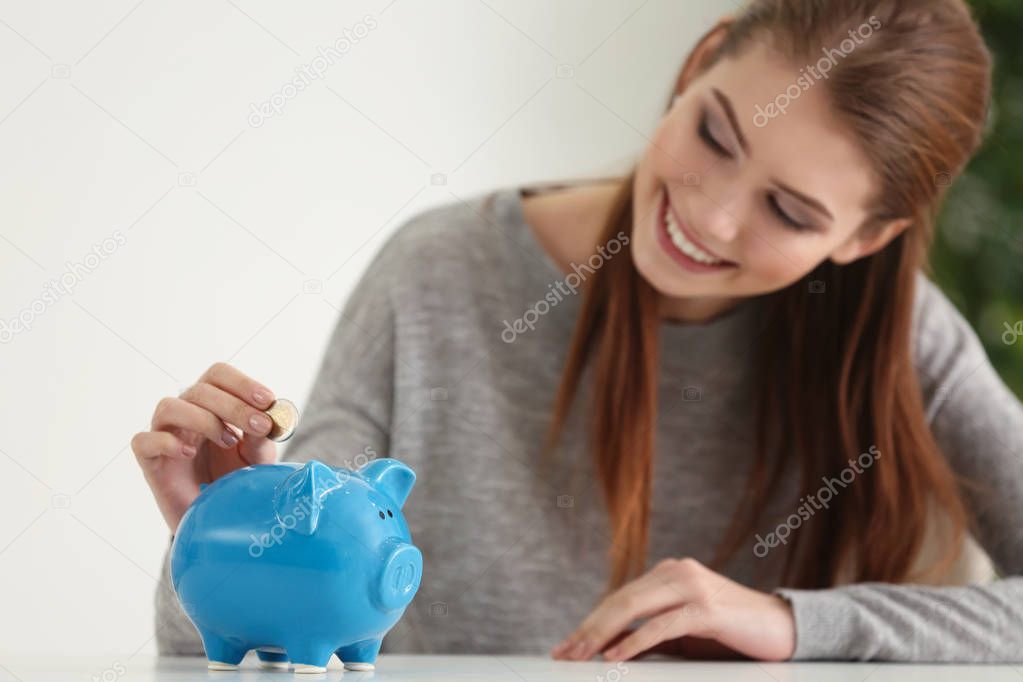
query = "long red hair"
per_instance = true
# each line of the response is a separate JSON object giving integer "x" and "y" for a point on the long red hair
{"x": 835, "y": 373}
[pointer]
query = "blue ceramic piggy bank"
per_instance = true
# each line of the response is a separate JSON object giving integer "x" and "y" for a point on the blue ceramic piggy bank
{"x": 298, "y": 561}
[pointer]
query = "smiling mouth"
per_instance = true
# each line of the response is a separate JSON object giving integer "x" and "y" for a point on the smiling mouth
{"x": 682, "y": 246}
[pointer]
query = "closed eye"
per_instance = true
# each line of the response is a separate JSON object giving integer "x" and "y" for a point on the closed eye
{"x": 709, "y": 139}
{"x": 785, "y": 217}
{"x": 772, "y": 199}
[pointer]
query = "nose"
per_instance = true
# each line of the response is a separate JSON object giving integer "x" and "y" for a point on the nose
{"x": 722, "y": 214}
{"x": 720, "y": 224}
{"x": 403, "y": 571}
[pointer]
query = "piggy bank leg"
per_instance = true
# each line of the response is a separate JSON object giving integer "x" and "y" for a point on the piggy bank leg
{"x": 361, "y": 655}
{"x": 272, "y": 659}
{"x": 222, "y": 654}
{"x": 309, "y": 657}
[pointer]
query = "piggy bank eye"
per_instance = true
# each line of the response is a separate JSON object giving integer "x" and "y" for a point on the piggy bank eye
{"x": 389, "y": 513}
{"x": 381, "y": 514}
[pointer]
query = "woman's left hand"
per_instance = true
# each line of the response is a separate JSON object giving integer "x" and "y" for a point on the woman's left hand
{"x": 681, "y": 598}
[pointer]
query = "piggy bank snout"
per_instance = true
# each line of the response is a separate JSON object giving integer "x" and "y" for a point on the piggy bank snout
{"x": 403, "y": 571}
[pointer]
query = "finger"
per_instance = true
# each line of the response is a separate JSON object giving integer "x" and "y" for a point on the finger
{"x": 258, "y": 450}
{"x": 148, "y": 445}
{"x": 646, "y": 596}
{"x": 182, "y": 414}
{"x": 238, "y": 384}
{"x": 696, "y": 648}
{"x": 689, "y": 647}
{"x": 229, "y": 408}
{"x": 668, "y": 625}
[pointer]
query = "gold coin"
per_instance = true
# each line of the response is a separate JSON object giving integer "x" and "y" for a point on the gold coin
{"x": 284, "y": 416}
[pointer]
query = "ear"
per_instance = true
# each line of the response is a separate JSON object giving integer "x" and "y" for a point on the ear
{"x": 390, "y": 476}
{"x": 861, "y": 245}
{"x": 700, "y": 56}
{"x": 300, "y": 496}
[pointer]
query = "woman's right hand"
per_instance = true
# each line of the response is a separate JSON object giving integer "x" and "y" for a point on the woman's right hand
{"x": 211, "y": 429}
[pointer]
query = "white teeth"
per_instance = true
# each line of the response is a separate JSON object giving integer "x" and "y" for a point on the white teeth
{"x": 678, "y": 238}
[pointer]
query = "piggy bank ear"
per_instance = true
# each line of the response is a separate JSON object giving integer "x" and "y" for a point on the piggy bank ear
{"x": 390, "y": 476}
{"x": 298, "y": 499}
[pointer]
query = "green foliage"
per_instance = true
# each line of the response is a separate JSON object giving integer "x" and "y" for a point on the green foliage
{"x": 978, "y": 252}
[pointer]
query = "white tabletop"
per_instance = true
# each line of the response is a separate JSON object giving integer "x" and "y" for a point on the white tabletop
{"x": 500, "y": 668}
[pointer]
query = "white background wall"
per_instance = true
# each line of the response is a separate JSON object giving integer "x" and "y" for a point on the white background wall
{"x": 129, "y": 122}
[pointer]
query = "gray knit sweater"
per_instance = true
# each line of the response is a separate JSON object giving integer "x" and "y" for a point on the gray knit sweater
{"x": 447, "y": 356}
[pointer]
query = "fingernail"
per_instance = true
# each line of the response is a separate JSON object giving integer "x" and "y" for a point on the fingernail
{"x": 259, "y": 423}
{"x": 579, "y": 650}
{"x": 612, "y": 653}
{"x": 188, "y": 450}
{"x": 229, "y": 439}
{"x": 261, "y": 398}
{"x": 559, "y": 647}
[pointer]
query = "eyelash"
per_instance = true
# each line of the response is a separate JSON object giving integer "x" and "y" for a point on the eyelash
{"x": 709, "y": 140}
{"x": 717, "y": 147}
{"x": 784, "y": 217}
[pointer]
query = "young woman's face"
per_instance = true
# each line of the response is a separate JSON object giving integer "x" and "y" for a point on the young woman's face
{"x": 727, "y": 206}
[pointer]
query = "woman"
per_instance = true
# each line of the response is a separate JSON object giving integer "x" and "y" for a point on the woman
{"x": 749, "y": 305}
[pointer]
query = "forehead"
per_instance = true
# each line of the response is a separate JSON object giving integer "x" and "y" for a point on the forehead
{"x": 808, "y": 147}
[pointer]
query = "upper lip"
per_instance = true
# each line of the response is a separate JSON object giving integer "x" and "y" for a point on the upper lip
{"x": 689, "y": 233}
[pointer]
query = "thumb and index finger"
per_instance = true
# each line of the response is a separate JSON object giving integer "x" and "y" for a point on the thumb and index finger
{"x": 281, "y": 415}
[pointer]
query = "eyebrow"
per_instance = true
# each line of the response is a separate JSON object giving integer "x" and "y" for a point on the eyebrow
{"x": 810, "y": 201}
{"x": 726, "y": 104}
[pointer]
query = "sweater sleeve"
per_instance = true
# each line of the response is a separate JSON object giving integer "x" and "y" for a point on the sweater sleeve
{"x": 978, "y": 424}
{"x": 345, "y": 422}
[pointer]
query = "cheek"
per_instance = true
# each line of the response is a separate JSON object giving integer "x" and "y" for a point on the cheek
{"x": 643, "y": 243}
{"x": 675, "y": 150}
{"x": 776, "y": 261}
